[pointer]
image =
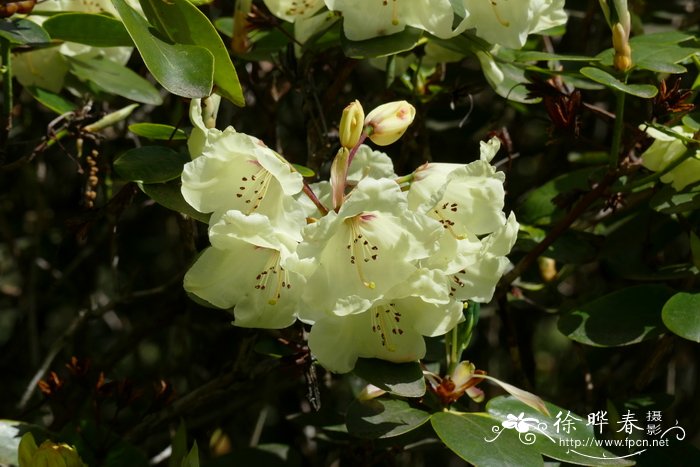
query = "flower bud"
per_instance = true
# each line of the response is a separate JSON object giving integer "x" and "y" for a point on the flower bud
{"x": 623, "y": 52}
{"x": 339, "y": 171}
{"x": 351, "y": 125}
{"x": 389, "y": 121}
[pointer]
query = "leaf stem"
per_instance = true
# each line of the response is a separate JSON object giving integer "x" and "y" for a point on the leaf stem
{"x": 617, "y": 129}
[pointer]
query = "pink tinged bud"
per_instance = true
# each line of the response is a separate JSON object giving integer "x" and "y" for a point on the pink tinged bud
{"x": 351, "y": 125}
{"x": 370, "y": 392}
{"x": 389, "y": 121}
{"x": 476, "y": 394}
{"x": 339, "y": 171}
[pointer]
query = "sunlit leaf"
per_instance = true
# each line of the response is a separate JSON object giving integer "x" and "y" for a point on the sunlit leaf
{"x": 184, "y": 70}
{"x": 89, "y": 29}
{"x": 150, "y": 164}
{"x": 157, "y": 131}
{"x": 183, "y": 23}
{"x": 622, "y": 317}
{"x": 402, "y": 379}
{"x": 646, "y": 91}
{"x": 383, "y": 418}
{"x": 681, "y": 315}
{"x": 114, "y": 78}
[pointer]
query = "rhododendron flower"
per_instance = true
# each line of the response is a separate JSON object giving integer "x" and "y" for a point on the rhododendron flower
{"x": 665, "y": 150}
{"x": 365, "y": 19}
{"x": 263, "y": 289}
{"x": 292, "y": 10}
{"x": 367, "y": 248}
{"x": 237, "y": 171}
{"x": 508, "y": 23}
{"x": 391, "y": 331}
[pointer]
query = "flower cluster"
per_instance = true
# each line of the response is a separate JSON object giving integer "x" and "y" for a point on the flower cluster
{"x": 372, "y": 261}
{"x": 496, "y": 21}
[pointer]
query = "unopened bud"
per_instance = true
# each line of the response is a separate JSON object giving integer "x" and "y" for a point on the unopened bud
{"x": 623, "y": 53}
{"x": 351, "y": 125}
{"x": 389, "y": 121}
{"x": 339, "y": 171}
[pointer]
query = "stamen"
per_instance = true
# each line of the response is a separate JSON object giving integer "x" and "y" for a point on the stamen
{"x": 443, "y": 213}
{"x": 361, "y": 250}
{"x": 273, "y": 275}
{"x": 385, "y": 321}
{"x": 395, "y": 13}
{"x": 494, "y": 6}
{"x": 253, "y": 188}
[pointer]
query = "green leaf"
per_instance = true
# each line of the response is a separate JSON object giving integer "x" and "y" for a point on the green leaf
{"x": 624, "y": 317}
{"x": 659, "y": 52}
{"x": 383, "y": 418}
{"x": 192, "y": 459}
{"x": 382, "y": 46}
{"x": 179, "y": 446}
{"x": 150, "y": 164}
{"x": 304, "y": 171}
{"x": 170, "y": 196}
{"x": 537, "y": 56}
{"x": 157, "y": 131}
{"x": 468, "y": 435}
{"x": 538, "y": 206}
{"x": 89, "y": 29}
{"x": 681, "y": 315}
{"x": 646, "y": 91}
{"x": 24, "y": 32}
{"x": 184, "y": 23}
{"x": 553, "y": 440}
{"x": 114, "y": 78}
{"x": 669, "y": 201}
{"x": 52, "y": 101}
{"x": 184, "y": 70}
{"x": 402, "y": 379}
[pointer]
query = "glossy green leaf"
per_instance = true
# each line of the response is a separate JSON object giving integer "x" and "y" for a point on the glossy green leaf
{"x": 184, "y": 23}
{"x": 681, "y": 315}
{"x": 383, "y": 418}
{"x": 304, "y": 171}
{"x": 566, "y": 442}
{"x": 157, "y": 131}
{"x": 538, "y": 206}
{"x": 150, "y": 164}
{"x": 114, "y": 78}
{"x": 646, "y": 91}
{"x": 184, "y": 70}
{"x": 623, "y": 317}
{"x": 669, "y": 201}
{"x": 89, "y": 29}
{"x": 382, "y": 46}
{"x": 402, "y": 379}
{"x": 659, "y": 52}
{"x": 24, "y": 32}
{"x": 170, "y": 196}
{"x": 52, "y": 101}
{"x": 468, "y": 435}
